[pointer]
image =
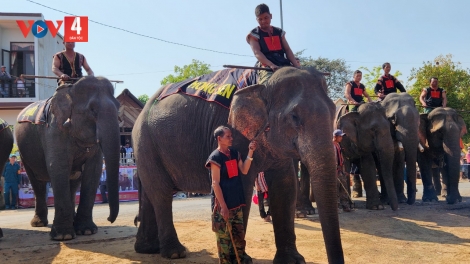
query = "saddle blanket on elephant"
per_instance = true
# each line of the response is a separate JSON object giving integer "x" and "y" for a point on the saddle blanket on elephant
{"x": 3, "y": 124}
{"x": 35, "y": 113}
{"x": 217, "y": 87}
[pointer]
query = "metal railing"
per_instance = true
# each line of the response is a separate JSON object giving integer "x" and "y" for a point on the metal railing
{"x": 10, "y": 89}
{"x": 127, "y": 159}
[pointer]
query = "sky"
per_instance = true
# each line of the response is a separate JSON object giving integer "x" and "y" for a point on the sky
{"x": 363, "y": 33}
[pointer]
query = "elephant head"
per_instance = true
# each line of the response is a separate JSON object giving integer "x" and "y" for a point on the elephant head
{"x": 292, "y": 117}
{"x": 440, "y": 132}
{"x": 90, "y": 106}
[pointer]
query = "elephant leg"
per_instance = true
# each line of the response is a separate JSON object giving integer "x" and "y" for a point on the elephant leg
{"x": 357, "y": 186}
{"x": 62, "y": 227}
{"x": 40, "y": 192}
{"x": 398, "y": 175}
{"x": 424, "y": 163}
{"x": 450, "y": 180}
{"x": 160, "y": 196}
{"x": 304, "y": 205}
{"x": 90, "y": 179}
{"x": 282, "y": 191}
{"x": 368, "y": 173}
{"x": 436, "y": 180}
{"x": 147, "y": 235}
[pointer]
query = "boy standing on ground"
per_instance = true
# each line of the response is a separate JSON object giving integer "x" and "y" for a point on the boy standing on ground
{"x": 269, "y": 44}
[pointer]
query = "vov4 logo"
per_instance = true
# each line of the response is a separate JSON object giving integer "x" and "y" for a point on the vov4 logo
{"x": 75, "y": 28}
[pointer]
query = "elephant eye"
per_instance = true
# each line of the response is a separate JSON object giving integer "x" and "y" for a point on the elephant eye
{"x": 296, "y": 120}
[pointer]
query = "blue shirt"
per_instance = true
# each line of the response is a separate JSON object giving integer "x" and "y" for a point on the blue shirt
{"x": 11, "y": 173}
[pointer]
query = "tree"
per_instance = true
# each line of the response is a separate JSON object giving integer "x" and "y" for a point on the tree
{"x": 340, "y": 72}
{"x": 454, "y": 79}
{"x": 370, "y": 77}
{"x": 143, "y": 98}
{"x": 196, "y": 68}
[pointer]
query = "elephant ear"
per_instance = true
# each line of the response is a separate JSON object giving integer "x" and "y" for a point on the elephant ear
{"x": 248, "y": 113}
{"x": 423, "y": 124}
{"x": 61, "y": 105}
{"x": 348, "y": 123}
{"x": 463, "y": 127}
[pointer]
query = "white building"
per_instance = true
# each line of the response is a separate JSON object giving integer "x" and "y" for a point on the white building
{"x": 31, "y": 56}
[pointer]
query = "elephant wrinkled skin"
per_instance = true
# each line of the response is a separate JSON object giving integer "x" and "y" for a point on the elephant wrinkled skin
{"x": 440, "y": 132}
{"x": 290, "y": 118}
{"x": 368, "y": 135}
{"x": 70, "y": 156}
{"x": 401, "y": 111}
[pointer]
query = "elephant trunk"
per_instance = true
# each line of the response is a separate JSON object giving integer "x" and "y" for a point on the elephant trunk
{"x": 321, "y": 166}
{"x": 110, "y": 147}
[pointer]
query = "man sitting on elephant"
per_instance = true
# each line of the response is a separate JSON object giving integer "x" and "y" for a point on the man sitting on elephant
{"x": 228, "y": 196}
{"x": 433, "y": 96}
{"x": 68, "y": 64}
{"x": 355, "y": 90}
{"x": 387, "y": 83}
{"x": 269, "y": 44}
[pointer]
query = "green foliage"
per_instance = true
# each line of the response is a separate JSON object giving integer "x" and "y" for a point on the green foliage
{"x": 340, "y": 72}
{"x": 14, "y": 150}
{"x": 196, "y": 68}
{"x": 143, "y": 98}
{"x": 370, "y": 77}
{"x": 452, "y": 78}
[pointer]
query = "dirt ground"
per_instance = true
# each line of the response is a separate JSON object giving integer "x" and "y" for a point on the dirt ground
{"x": 421, "y": 233}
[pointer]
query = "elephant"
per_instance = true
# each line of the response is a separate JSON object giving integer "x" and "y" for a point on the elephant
{"x": 68, "y": 150}
{"x": 290, "y": 117}
{"x": 6, "y": 145}
{"x": 404, "y": 120}
{"x": 368, "y": 138}
{"x": 439, "y": 133}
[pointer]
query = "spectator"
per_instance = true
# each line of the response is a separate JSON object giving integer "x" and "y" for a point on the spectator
{"x": 262, "y": 192}
{"x": 5, "y": 79}
{"x": 343, "y": 194}
{"x": 129, "y": 153}
{"x": 20, "y": 88}
{"x": 123, "y": 155}
{"x": 103, "y": 188}
{"x": 11, "y": 173}
{"x": 228, "y": 198}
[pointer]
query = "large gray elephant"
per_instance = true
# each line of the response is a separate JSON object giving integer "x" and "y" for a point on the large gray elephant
{"x": 440, "y": 132}
{"x": 69, "y": 155}
{"x": 290, "y": 117}
{"x": 6, "y": 144}
{"x": 401, "y": 111}
{"x": 368, "y": 135}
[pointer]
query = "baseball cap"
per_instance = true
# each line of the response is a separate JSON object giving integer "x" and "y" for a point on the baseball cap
{"x": 12, "y": 155}
{"x": 338, "y": 132}
{"x": 3, "y": 66}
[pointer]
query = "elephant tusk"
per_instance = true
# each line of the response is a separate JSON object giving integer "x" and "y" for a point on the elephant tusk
{"x": 400, "y": 145}
{"x": 421, "y": 149}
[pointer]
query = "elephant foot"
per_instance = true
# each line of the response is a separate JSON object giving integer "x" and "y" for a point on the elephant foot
{"x": 401, "y": 198}
{"x": 288, "y": 257}
{"x": 411, "y": 198}
{"x": 374, "y": 206}
{"x": 246, "y": 259}
{"x": 430, "y": 200}
{"x": 1, "y": 233}
{"x": 173, "y": 251}
{"x": 453, "y": 199}
{"x": 62, "y": 233}
{"x": 85, "y": 228}
{"x": 147, "y": 246}
{"x": 300, "y": 214}
{"x": 38, "y": 221}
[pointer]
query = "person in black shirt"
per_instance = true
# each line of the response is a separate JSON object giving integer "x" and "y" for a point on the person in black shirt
{"x": 225, "y": 165}
{"x": 387, "y": 83}
{"x": 433, "y": 96}
{"x": 355, "y": 90}
{"x": 269, "y": 44}
{"x": 68, "y": 64}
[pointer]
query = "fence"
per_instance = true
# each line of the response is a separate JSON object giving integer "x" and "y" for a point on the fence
{"x": 10, "y": 89}
{"x": 127, "y": 159}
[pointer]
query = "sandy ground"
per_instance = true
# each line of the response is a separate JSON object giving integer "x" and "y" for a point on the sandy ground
{"x": 421, "y": 233}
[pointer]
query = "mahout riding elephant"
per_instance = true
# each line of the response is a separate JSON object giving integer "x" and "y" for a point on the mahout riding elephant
{"x": 440, "y": 132}
{"x": 69, "y": 155}
{"x": 291, "y": 117}
{"x": 368, "y": 135}
{"x": 6, "y": 144}
{"x": 401, "y": 111}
